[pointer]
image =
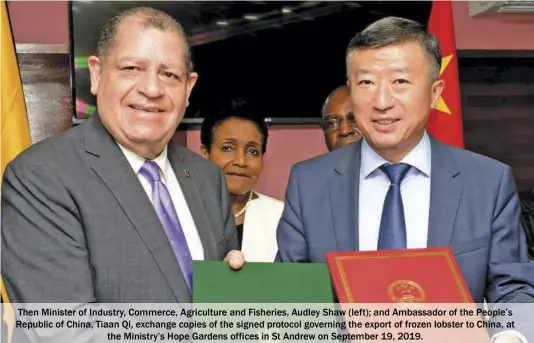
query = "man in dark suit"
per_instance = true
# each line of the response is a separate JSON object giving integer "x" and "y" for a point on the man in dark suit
{"x": 112, "y": 211}
{"x": 527, "y": 218}
{"x": 399, "y": 188}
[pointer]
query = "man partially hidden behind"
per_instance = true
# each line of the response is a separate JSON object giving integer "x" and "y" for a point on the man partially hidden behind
{"x": 111, "y": 211}
{"x": 338, "y": 125}
{"x": 399, "y": 188}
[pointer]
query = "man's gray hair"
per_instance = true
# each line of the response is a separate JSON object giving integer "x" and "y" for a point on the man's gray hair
{"x": 151, "y": 18}
{"x": 393, "y": 30}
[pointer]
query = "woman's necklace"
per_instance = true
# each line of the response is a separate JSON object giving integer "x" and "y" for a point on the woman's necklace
{"x": 240, "y": 213}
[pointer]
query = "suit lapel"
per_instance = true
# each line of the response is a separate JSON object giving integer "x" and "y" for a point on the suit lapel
{"x": 446, "y": 187}
{"x": 344, "y": 198}
{"x": 189, "y": 179}
{"x": 113, "y": 169}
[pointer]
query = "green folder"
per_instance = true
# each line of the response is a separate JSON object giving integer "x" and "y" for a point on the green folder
{"x": 262, "y": 282}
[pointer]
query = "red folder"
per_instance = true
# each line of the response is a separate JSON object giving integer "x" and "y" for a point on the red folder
{"x": 400, "y": 276}
{"x": 416, "y": 280}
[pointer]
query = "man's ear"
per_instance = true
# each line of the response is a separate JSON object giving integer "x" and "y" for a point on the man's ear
{"x": 95, "y": 69}
{"x": 191, "y": 81}
{"x": 204, "y": 151}
{"x": 437, "y": 89}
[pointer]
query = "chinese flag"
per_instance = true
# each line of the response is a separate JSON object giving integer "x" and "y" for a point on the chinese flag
{"x": 15, "y": 128}
{"x": 445, "y": 123}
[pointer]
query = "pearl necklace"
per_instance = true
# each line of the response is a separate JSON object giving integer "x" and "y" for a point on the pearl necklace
{"x": 240, "y": 213}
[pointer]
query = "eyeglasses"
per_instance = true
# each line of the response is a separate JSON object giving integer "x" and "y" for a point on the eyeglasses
{"x": 331, "y": 123}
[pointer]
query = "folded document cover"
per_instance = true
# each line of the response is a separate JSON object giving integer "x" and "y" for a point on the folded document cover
{"x": 421, "y": 288}
{"x": 400, "y": 276}
{"x": 259, "y": 282}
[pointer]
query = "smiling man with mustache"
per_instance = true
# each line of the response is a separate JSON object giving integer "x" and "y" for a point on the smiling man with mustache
{"x": 112, "y": 211}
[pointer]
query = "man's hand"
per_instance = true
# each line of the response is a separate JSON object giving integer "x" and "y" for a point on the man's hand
{"x": 235, "y": 259}
{"x": 508, "y": 338}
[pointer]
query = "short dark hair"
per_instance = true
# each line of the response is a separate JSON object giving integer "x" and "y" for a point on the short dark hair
{"x": 152, "y": 18}
{"x": 234, "y": 109}
{"x": 394, "y": 30}
{"x": 330, "y": 96}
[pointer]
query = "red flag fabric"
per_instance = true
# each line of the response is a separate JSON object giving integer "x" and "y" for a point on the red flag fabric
{"x": 445, "y": 122}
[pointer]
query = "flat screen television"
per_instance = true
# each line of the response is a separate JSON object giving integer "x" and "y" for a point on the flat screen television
{"x": 282, "y": 57}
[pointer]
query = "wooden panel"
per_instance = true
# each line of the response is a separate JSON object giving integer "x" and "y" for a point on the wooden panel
{"x": 46, "y": 84}
{"x": 28, "y": 48}
{"x": 499, "y": 123}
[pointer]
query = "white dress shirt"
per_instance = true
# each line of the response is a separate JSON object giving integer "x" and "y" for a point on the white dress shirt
{"x": 180, "y": 205}
{"x": 415, "y": 193}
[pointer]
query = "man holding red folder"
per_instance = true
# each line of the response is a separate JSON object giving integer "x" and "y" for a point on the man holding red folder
{"x": 399, "y": 188}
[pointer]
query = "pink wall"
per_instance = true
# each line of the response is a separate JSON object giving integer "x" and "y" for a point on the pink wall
{"x": 45, "y": 22}
{"x": 287, "y": 145}
{"x": 503, "y": 33}
{"x": 49, "y": 24}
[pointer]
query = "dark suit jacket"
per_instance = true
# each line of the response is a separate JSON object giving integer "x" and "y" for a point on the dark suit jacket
{"x": 527, "y": 218}
{"x": 474, "y": 209}
{"x": 77, "y": 225}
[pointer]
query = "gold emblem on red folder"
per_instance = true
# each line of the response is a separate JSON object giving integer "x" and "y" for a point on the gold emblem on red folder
{"x": 406, "y": 291}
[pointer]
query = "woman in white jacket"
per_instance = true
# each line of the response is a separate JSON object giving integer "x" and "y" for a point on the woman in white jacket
{"x": 236, "y": 141}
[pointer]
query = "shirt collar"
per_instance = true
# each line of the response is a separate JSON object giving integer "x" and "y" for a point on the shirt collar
{"x": 137, "y": 161}
{"x": 419, "y": 157}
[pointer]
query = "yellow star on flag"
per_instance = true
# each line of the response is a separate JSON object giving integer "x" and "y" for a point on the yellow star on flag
{"x": 441, "y": 105}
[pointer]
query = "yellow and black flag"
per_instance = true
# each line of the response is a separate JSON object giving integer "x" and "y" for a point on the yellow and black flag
{"x": 15, "y": 131}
